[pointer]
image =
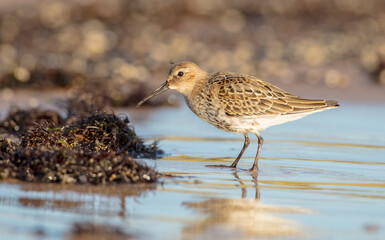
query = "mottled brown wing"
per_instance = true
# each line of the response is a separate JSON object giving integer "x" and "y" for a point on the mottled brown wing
{"x": 243, "y": 95}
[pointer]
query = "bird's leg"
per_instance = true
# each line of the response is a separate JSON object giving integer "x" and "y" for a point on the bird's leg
{"x": 245, "y": 145}
{"x": 234, "y": 164}
{"x": 260, "y": 143}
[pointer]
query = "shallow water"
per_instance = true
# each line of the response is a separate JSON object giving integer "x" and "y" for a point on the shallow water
{"x": 321, "y": 177}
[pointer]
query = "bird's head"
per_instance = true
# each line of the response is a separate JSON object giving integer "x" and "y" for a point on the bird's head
{"x": 181, "y": 77}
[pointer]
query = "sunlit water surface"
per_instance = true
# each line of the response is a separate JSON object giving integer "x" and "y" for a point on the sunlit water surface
{"x": 321, "y": 177}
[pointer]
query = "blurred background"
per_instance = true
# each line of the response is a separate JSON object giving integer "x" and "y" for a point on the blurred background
{"x": 121, "y": 50}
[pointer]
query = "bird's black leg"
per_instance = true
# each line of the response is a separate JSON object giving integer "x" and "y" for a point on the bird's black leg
{"x": 234, "y": 164}
{"x": 245, "y": 145}
{"x": 260, "y": 143}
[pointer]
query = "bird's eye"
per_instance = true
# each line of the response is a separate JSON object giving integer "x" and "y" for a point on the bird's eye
{"x": 180, "y": 74}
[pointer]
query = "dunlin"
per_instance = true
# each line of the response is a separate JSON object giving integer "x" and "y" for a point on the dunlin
{"x": 237, "y": 103}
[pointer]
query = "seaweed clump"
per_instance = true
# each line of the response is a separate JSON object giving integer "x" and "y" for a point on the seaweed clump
{"x": 96, "y": 133}
{"x": 90, "y": 147}
{"x": 20, "y": 121}
{"x": 61, "y": 165}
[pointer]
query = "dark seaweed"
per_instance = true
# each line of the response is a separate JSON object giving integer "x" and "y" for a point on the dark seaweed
{"x": 61, "y": 165}
{"x": 89, "y": 146}
{"x": 20, "y": 121}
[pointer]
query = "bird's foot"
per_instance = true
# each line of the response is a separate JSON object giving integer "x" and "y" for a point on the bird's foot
{"x": 253, "y": 170}
{"x": 219, "y": 166}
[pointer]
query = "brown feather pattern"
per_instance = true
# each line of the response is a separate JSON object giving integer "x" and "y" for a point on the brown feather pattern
{"x": 243, "y": 95}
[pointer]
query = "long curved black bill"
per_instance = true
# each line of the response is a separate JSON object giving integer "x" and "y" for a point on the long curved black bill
{"x": 157, "y": 91}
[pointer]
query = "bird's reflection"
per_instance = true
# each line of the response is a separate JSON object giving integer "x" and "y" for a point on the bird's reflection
{"x": 243, "y": 186}
{"x": 240, "y": 218}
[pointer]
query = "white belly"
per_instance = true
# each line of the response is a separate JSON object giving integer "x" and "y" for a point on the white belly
{"x": 254, "y": 124}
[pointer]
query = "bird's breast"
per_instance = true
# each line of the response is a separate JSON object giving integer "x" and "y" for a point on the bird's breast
{"x": 210, "y": 110}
